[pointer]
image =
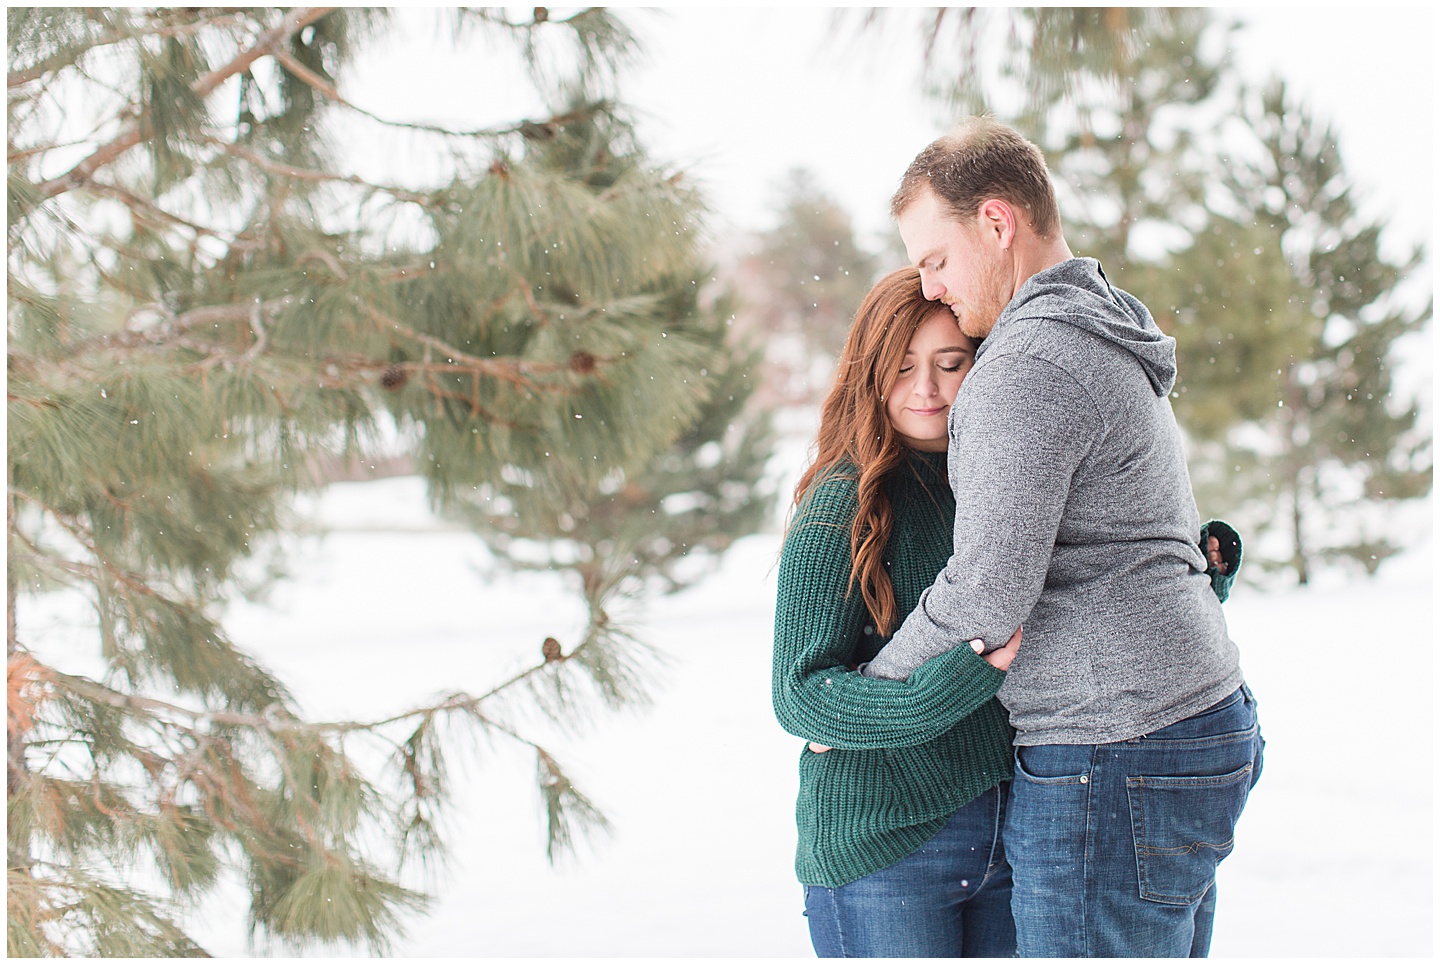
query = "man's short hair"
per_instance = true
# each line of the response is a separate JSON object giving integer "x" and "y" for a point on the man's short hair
{"x": 978, "y": 160}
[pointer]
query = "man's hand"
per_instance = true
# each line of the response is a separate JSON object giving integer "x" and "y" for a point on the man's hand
{"x": 1000, "y": 659}
{"x": 1217, "y": 561}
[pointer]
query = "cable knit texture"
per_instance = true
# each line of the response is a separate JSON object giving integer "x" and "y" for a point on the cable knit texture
{"x": 908, "y": 753}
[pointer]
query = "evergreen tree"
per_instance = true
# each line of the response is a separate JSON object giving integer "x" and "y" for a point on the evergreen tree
{"x": 1120, "y": 100}
{"x": 801, "y": 285}
{"x": 205, "y": 304}
{"x": 1286, "y": 375}
{"x": 1023, "y": 62}
{"x": 623, "y": 514}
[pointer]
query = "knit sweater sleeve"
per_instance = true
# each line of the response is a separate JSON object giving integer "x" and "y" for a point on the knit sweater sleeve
{"x": 1230, "y": 551}
{"x": 818, "y": 619}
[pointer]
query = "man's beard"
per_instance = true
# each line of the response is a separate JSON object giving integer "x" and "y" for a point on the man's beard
{"x": 977, "y": 317}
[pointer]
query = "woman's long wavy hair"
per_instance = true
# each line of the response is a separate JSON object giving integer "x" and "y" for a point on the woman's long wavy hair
{"x": 854, "y": 427}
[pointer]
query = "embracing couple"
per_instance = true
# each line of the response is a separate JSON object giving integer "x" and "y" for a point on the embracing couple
{"x": 999, "y": 626}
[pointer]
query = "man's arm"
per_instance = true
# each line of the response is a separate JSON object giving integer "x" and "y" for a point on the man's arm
{"x": 1020, "y": 428}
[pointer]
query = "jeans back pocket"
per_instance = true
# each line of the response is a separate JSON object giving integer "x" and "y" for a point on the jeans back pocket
{"x": 1184, "y": 827}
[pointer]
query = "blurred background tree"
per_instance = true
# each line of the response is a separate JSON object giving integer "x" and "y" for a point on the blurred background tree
{"x": 1304, "y": 432}
{"x": 1227, "y": 210}
{"x": 209, "y": 311}
{"x": 799, "y": 284}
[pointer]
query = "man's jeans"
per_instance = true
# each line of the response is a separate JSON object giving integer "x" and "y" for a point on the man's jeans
{"x": 1114, "y": 846}
{"x": 947, "y": 900}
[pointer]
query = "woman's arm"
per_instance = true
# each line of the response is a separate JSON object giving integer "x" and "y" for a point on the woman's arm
{"x": 818, "y": 616}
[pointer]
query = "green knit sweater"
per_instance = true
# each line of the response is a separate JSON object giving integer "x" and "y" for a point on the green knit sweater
{"x": 908, "y": 753}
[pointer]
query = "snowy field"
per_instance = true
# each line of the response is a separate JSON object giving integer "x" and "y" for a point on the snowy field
{"x": 1334, "y": 857}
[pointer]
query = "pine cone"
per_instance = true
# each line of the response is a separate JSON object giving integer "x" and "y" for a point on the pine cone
{"x": 551, "y": 649}
{"x": 583, "y": 362}
{"x": 393, "y": 377}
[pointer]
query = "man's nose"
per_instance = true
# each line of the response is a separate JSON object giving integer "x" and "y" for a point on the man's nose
{"x": 930, "y": 286}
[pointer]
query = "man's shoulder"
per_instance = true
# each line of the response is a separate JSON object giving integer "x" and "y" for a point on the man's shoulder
{"x": 1032, "y": 346}
{"x": 1057, "y": 346}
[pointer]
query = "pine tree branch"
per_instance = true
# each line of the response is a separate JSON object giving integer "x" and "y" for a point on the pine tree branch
{"x": 179, "y": 326}
{"x": 140, "y": 205}
{"x": 212, "y": 314}
{"x": 326, "y": 259}
{"x": 477, "y": 411}
{"x": 310, "y": 77}
{"x": 401, "y": 273}
{"x": 152, "y": 707}
{"x": 527, "y": 127}
{"x": 277, "y": 721}
{"x": 16, "y": 78}
{"x": 262, "y": 336}
{"x": 14, "y": 154}
{"x": 138, "y": 130}
{"x": 91, "y": 573}
{"x": 281, "y": 169}
{"x": 515, "y": 371}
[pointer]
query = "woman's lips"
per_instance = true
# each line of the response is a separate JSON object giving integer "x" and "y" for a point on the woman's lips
{"x": 935, "y": 411}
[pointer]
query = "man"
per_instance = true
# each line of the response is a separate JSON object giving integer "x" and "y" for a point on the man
{"x": 1136, "y": 739}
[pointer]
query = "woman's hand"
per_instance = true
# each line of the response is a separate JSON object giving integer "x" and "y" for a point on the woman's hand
{"x": 1000, "y": 659}
{"x": 1217, "y": 561}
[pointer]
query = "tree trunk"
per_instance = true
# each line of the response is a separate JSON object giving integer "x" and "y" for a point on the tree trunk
{"x": 11, "y": 587}
{"x": 17, "y": 856}
{"x": 1299, "y": 560}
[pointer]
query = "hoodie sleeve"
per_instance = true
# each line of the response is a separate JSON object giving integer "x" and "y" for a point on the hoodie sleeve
{"x": 1019, "y": 430}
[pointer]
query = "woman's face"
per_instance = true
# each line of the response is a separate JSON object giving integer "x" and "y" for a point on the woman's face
{"x": 918, "y": 404}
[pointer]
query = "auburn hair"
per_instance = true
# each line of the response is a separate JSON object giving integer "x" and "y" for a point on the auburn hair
{"x": 854, "y": 428}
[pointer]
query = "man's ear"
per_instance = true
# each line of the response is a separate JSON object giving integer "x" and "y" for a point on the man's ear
{"x": 997, "y": 219}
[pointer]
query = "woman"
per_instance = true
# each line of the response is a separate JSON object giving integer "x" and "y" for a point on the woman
{"x": 900, "y": 850}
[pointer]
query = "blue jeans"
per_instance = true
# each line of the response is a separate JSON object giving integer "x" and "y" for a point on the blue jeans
{"x": 950, "y": 899}
{"x": 1114, "y": 846}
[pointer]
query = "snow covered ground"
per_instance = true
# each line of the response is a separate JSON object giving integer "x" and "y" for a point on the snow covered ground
{"x": 1335, "y": 849}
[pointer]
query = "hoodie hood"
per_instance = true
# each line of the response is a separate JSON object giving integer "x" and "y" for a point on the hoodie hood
{"x": 1076, "y": 292}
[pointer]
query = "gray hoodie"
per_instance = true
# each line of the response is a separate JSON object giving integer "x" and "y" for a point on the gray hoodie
{"x": 1074, "y": 517}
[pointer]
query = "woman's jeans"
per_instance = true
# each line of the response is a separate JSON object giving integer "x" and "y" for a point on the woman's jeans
{"x": 947, "y": 900}
{"x": 1114, "y": 846}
